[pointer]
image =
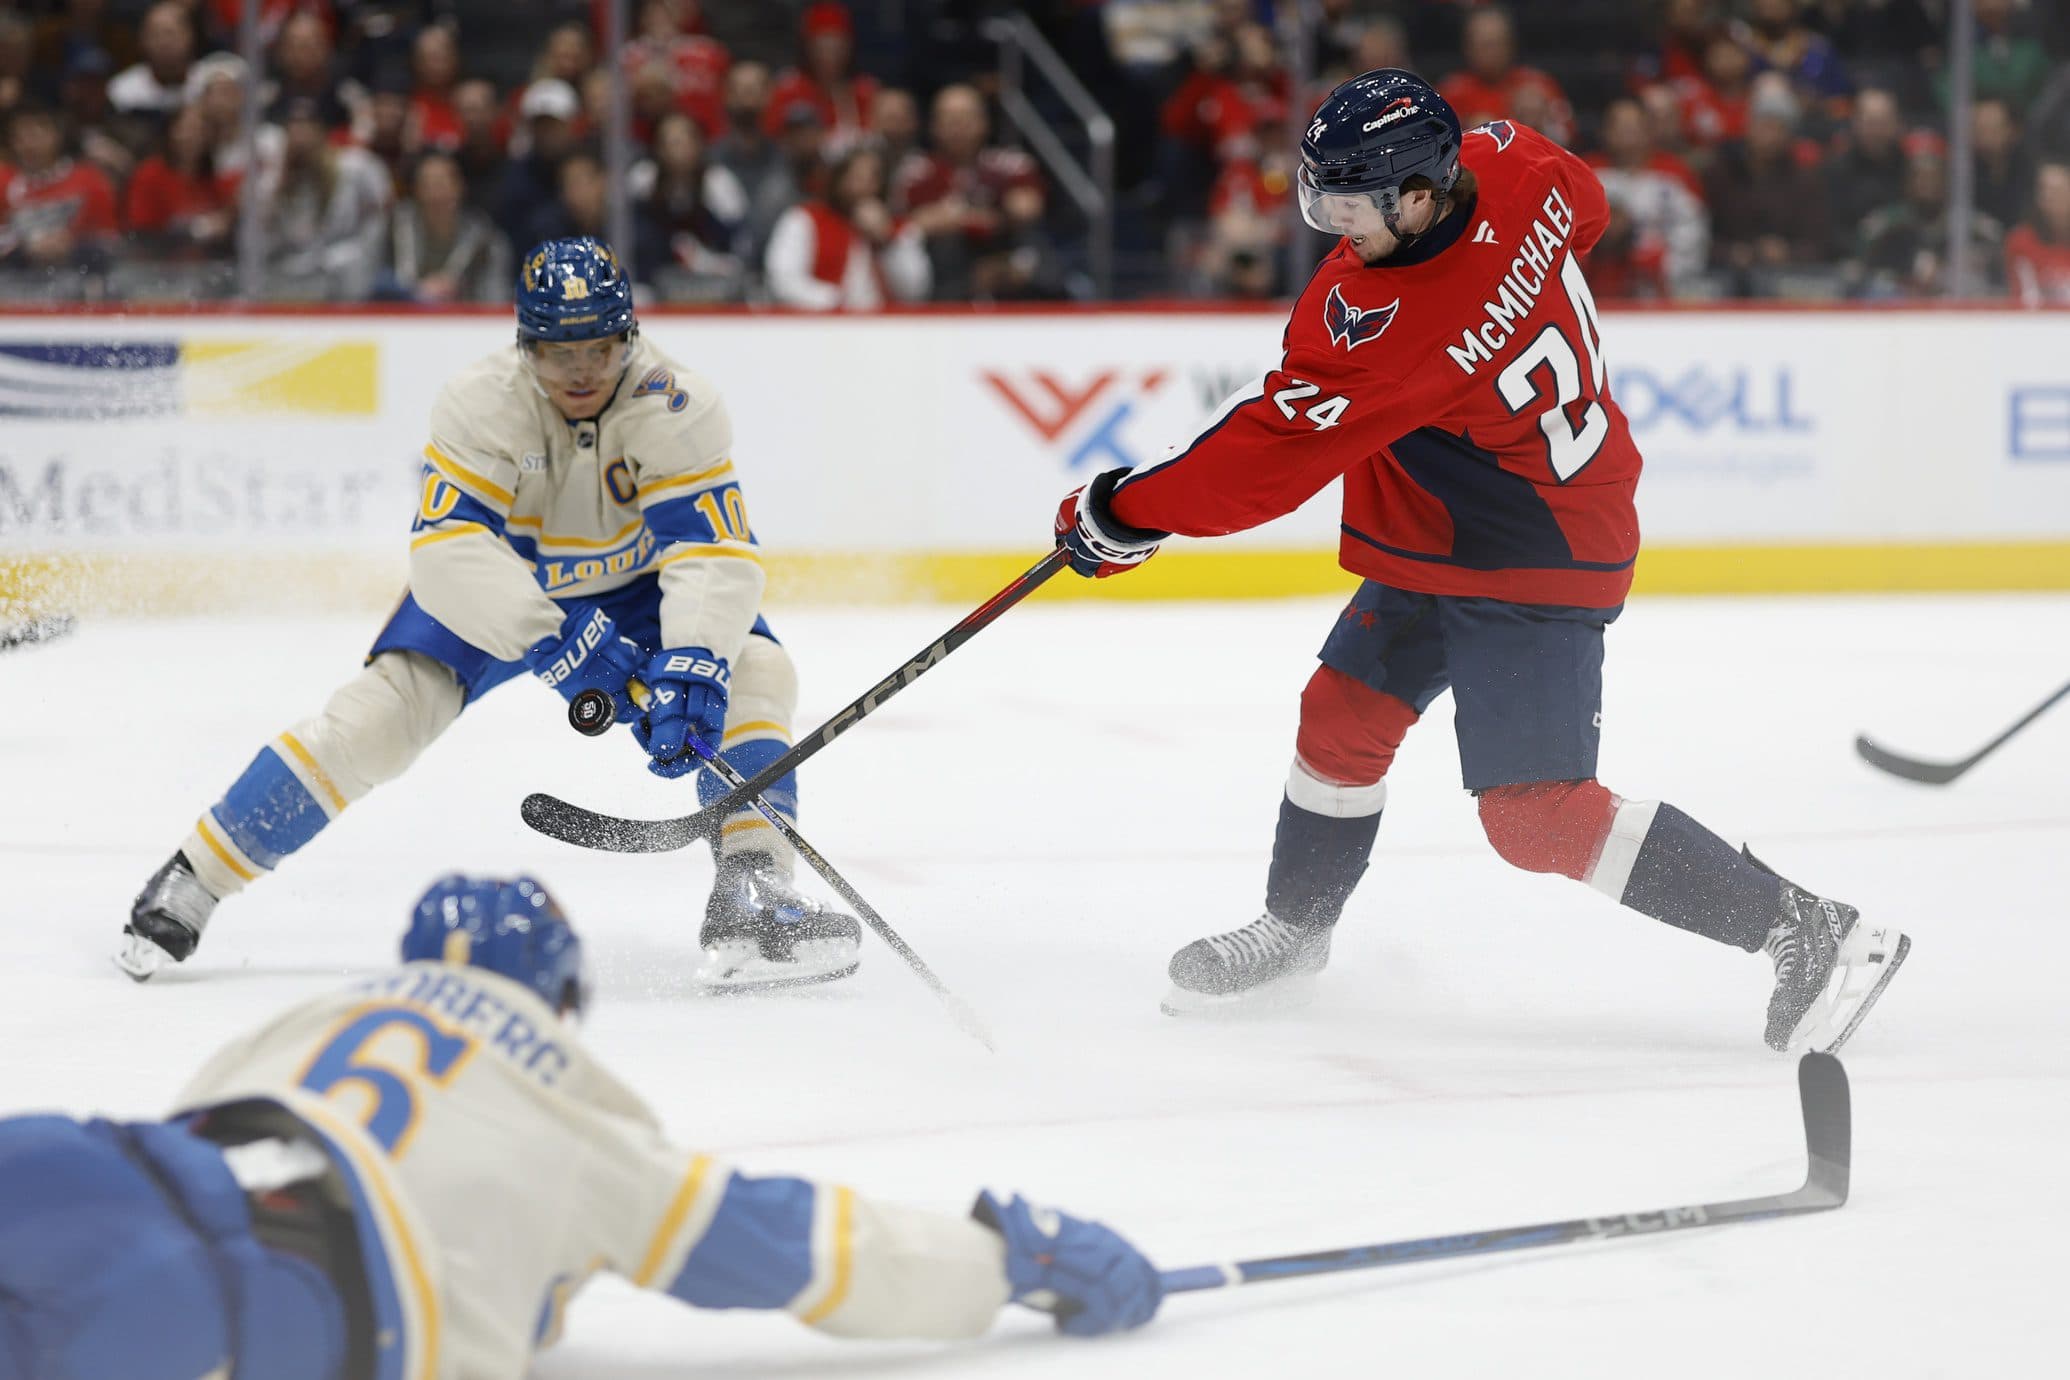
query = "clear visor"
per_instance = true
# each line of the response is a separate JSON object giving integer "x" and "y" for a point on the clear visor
{"x": 577, "y": 364}
{"x": 1343, "y": 213}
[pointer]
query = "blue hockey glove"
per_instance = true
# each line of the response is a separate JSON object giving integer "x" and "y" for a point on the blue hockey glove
{"x": 588, "y": 654}
{"x": 1100, "y": 543}
{"x": 1084, "y": 1273}
{"x": 686, "y": 694}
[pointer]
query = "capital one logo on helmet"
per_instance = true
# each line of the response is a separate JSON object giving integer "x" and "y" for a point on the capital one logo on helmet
{"x": 1401, "y": 108}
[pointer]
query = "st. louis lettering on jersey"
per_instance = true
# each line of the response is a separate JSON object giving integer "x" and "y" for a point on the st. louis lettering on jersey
{"x": 514, "y": 516}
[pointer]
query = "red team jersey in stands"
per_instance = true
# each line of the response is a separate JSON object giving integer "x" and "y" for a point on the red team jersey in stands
{"x": 1459, "y": 388}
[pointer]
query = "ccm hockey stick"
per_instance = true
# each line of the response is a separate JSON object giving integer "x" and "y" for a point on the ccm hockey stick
{"x": 572, "y": 824}
{"x": 1941, "y": 773}
{"x": 589, "y": 713}
{"x": 1821, "y": 1083}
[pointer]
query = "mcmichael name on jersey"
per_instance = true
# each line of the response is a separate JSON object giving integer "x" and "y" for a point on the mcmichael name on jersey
{"x": 1534, "y": 263}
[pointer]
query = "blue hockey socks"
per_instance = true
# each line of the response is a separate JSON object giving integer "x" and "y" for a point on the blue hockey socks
{"x": 1317, "y": 860}
{"x": 749, "y": 754}
{"x": 279, "y": 803}
{"x": 1688, "y": 877}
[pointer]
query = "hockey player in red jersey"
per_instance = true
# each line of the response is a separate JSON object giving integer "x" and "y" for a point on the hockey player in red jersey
{"x": 1446, "y": 360}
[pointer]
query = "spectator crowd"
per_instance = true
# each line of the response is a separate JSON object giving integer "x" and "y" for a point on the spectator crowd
{"x": 818, "y": 155}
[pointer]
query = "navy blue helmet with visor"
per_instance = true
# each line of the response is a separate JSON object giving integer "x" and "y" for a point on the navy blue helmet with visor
{"x": 573, "y": 290}
{"x": 1368, "y": 137}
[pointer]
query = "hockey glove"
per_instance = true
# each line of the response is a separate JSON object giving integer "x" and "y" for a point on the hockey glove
{"x": 588, "y": 654}
{"x": 1100, "y": 543}
{"x": 1084, "y": 1273}
{"x": 686, "y": 694}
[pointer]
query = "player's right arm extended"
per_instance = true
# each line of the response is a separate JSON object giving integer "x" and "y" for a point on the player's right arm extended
{"x": 463, "y": 570}
{"x": 1274, "y": 445}
{"x": 713, "y": 1237}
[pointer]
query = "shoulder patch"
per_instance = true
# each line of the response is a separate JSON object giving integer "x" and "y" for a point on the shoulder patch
{"x": 1351, "y": 326}
{"x": 1485, "y": 234}
{"x": 1501, "y": 131}
{"x": 662, "y": 383}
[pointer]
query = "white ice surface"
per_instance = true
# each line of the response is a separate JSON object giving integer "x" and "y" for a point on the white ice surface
{"x": 1080, "y": 791}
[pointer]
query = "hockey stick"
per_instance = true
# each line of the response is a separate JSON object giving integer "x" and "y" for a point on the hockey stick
{"x": 1822, "y": 1086}
{"x": 1941, "y": 773}
{"x": 572, "y": 824}
{"x": 48, "y": 628}
{"x": 589, "y": 713}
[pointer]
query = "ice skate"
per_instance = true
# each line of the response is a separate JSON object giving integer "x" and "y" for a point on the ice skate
{"x": 1829, "y": 970}
{"x": 760, "y": 934}
{"x": 166, "y": 919}
{"x": 1268, "y": 965}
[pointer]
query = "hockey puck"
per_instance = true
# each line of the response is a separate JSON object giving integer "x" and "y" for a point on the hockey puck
{"x": 590, "y": 713}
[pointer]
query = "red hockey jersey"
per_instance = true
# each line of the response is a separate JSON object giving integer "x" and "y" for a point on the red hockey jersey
{"x": 1458, "y": 386}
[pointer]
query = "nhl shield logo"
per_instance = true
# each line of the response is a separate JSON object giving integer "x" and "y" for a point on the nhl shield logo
{"x": 1352, "y": 326}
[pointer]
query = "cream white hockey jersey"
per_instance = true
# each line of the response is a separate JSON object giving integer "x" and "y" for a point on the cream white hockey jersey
{"x": 501, "y": 1167}
{"x": 520, "y": 506}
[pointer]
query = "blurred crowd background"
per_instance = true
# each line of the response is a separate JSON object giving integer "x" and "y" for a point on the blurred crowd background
{"x": 854, "y": 156}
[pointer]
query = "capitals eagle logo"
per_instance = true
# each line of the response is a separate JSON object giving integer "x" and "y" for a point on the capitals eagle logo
{"x": 1501, "y": 131}
{"x": 1352, "y": 326}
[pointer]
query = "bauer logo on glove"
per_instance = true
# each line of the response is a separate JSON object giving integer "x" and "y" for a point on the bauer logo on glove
{"x": 575, "y": 650}
{"x": 693, "y": 665}
{"x": 589, "y": 654}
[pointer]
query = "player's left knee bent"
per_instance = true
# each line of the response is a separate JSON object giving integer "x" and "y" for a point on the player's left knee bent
{"x": 1549, "y": 826}
{"x": 1347, "y": 740}
{"x": 381, "y": 720}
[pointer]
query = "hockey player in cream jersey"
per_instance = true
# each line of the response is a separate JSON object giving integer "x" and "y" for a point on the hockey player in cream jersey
{"x": 411, "y": 1178}
{"x": 580, "y": 518}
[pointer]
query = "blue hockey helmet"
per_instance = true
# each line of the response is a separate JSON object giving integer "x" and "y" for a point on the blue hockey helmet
{"x": 573, "y": 289}
{"x": 1369, "y": 136}
{"x": 511, "y": 926}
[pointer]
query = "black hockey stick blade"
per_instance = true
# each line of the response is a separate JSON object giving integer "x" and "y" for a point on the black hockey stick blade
{"x": 589, "y": 714}
{"x": 1822, "y": 1089}
{"x": 49, "y": 628}
{"x": 1910, "y": 768}
{"x": 1941, "y": 773}
{"x": 558, "y": 819}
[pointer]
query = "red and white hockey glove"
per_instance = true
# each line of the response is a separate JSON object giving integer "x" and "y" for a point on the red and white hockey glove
{"x": 1100, "y": 543}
